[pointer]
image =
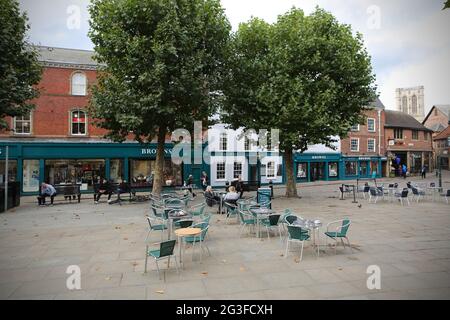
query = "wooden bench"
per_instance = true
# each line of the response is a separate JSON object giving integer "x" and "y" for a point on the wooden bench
{"x": 68, "y": 191}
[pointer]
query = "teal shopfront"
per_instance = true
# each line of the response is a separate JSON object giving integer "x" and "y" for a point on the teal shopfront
{"x": 362, "y": 167}
{"x": 32, "y": 163}
{"x": 309, "y": 167}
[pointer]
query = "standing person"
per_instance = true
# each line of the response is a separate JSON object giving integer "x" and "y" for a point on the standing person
{"x": 47, "y": 190}
{"x": 424, "y": 172}
{"x": 205, "y": 181}
{"x": 189, "y": 184}
{"x": 404, "y": 170}
{"x": 240, "y": 186}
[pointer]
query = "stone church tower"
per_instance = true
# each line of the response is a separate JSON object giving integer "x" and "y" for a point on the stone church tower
{"x": 411, "y": 101}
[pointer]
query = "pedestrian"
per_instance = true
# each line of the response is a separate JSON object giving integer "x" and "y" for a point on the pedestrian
{"x": 404, "y": 170}
{"x": 204, "y": 180}
{"x": 424, "y": 171}
{"x": 240, "y": 186}
{"x": 104, "y": 187}
{"x": 189, "y": 183}
{"x": 47, "y": 190}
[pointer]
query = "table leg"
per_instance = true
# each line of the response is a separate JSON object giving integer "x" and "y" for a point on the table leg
{"x": 179, "y": 251}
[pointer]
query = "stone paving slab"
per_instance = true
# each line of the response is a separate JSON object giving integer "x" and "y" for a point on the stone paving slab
{"x": 410, "y": 244}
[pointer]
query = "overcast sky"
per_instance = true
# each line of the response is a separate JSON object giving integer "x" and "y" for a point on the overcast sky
{"x": 408, "y": 40}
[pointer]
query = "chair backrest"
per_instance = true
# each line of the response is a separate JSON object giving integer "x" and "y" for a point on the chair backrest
{"x": 405, "y": 193}
{"x": 395, "y": 185}
{"x": 174, "y": 202}
{"x": 230, "y": 206}
{"x": 149, "y": 222}
{"x": 206, "y": 218}
{"x": 202, "y": 225}
{"x": 184, "y": 223}
{"x": 166, "y": 248}
{"x": 432, "y": 184}
{"x": 290, "y": 219}
{"x": 414, "y": 191}
{"x": 274, "y": 219}
{"x": 296, "y": 232}
{"x": 373, "y": 191}
{"x": 344, "y": 227}
{"x": 366, "y": 188}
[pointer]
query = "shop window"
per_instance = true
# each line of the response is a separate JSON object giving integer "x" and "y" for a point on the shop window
{"x": 22, "y": 125}
{"x": 354, "y": 145}
{"x": 350, "y": 168}
{"x": 85, "y": 172}
{"x": 370, "y": 145}
{"x": 79, "y": 84}
{"x": 30, "y": 176}
{"x": 333, "y": 169}
{"x": 78, "y": 122}
{"x": 371, "y": 125}
{"x": 415, "y": 135}
{"x": 374, "y": 167}
{"x": 220, "y": 170}
{"x": 237, "y": 170}
{"x": 398, "y": 133}
{"x": 116, "y": 170}
{"x": 12, "y": 170}
{"x": 302, "y": 169}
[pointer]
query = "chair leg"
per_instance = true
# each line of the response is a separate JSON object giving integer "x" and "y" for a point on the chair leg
{"x": 350, "y": 246}
{"x": 148, "y": 234}
{"x": 301, "y": 252}
{"x": 176, "y": 263}
{"x": 287, "y": 248}
{"x": 157, "y": 267}
{"x": 146, "y": 258}
{"x": 168, "y": 263}
{"x": 335, "y": 246}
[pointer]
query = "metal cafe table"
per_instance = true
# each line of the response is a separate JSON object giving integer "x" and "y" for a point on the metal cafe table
{"x": 220, "y": 194}
{"x": 259, "y": 214}
{"x": 186, "y": 232}
{"x": 173, "y": 215}
{"x": 314, "y": 227}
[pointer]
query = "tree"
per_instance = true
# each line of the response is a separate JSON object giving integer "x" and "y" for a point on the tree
{"x": 446, "y": 4}
{"x": 19, "y": 67}
{"x": 307, "y": 76}
{"x": 162, "y": 61}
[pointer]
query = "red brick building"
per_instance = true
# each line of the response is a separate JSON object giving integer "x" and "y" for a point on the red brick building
{"x": 437, "y": 118}
{"x": 441, "y": 146}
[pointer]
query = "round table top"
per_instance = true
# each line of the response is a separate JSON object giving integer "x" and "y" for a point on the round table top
{"x": 187, "y": 231}
{"x": 310, "y": 224}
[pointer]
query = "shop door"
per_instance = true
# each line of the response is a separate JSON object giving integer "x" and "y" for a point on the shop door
{"x": 363, "y": 169}
{"x": 317, "y": 171}
{"x": 253, "y": 173}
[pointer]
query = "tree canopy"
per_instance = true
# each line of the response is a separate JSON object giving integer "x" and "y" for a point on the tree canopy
{"x": 307, "y": 76}
{"x": 19, "y": 67}
{"x": 162, "y": 63}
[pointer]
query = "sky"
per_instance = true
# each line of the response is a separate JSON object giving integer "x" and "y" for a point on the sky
{"x": 408, "y": 40}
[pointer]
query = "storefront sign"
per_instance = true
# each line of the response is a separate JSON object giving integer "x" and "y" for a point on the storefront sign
{"x": 318, "y": 157}
{"x": 364, "y": 158}
{"x": 153, "y": 151}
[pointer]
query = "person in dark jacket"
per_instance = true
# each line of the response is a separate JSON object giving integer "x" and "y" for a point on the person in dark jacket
{"x": 103, "y": 188}
{"x": 205, "y": 180}
{"x": 189, "y": 184}
{"x": 210, "y": 198}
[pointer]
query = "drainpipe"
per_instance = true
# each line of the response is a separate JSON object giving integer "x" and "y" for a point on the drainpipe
{"x": 379, "y": 132}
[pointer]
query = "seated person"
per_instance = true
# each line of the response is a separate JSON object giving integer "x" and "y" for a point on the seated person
{"x": 47, "y": 190}
{"x": 103, "y": 188}
{"x": 232, "y": 196}
{"x": 210, "y": 197}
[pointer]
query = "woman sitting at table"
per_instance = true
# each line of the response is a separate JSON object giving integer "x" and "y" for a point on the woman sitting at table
{"x": 211, "y": 198}
{"x": 232, "y": 196}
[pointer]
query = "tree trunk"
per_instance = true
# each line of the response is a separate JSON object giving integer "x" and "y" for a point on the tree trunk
{"x": 158, "y": 172}
{"x": 291, "y": 188}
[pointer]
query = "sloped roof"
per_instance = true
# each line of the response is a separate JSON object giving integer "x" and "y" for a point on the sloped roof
{"x": 64, "y": 57}
{"x": 398, "y": 119}
{"x": 436, "y": 127}
{"x": 444, "y": 108}
{"x": 443, "y": 135}
{"x": 377, "y": 104}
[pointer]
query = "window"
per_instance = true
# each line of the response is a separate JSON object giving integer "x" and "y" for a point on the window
{"x": 405, "y": 104}
{"x": 350, "y": 168}
{"x": 333, "y": 169}
{"x": 398, "y": 133}
{"x": 370, "y": 145}
{"x": 302, "y": 169}
{"x": 78, "y": 122}
{"x": 355, "y": 127}
{"x": 12, "y": 170}
{"x": 30, "y": 176}
{"x": 223, "y": 141}
{"x": 79, "y": 84}
{"x": 116, "y": 170}
{"x": 22, "y": 125}
{"x": 246, "y": 143}
{"x": 220, "y": 171}
{"x": 371, "y": 125}
{"x": 270, "y": 173}
{"x": 415, "y": 135}
{"x": 425, "y": 136}
{"x": 354, "y": 145}
{"x": 237, "y": 170}
{"x": 414, "y": 104}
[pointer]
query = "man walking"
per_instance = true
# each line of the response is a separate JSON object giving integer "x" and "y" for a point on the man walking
{"x": 424, "y": 171}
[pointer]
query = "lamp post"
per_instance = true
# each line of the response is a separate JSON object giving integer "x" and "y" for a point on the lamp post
{"x": 439, "y": 170}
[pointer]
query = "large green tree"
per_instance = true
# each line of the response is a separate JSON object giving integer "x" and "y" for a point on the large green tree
{"x": 307, "y": 76}
{"x": 19, "y": 67}
{"x": 162, "y": 64}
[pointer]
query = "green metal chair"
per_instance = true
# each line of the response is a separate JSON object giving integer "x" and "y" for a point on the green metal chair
{"x": 272, "y": 222}
{"x": 247, "y": 220}
{"x": 338, "y": 230}
{"x": 156, "y": 224}
{"x": 197, "y": 210}
{"x": 165, "y": 251}
{"x": 200, "y": 239}
{"x": 298, "y": 235}
{"x": 183, "y": 223}
{"x": 231, "y": 210}
{"x": 157, "y": 210}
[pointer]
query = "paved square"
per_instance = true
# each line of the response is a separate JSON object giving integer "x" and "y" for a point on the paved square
{"x": 410, "y": 244}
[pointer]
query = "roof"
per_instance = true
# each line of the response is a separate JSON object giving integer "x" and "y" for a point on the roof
{"x": 398, "y": 119}
{"x": 377, "y": 104}
{"x": 66, "y": 58}
{"x": 444, "y": 108}
{"x": 438, "y": 127}
{"x": 443, "y": 135}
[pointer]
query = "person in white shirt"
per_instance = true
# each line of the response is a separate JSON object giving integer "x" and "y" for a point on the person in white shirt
{"x": 47, "y": 190}
{"x": 232, "y": 196}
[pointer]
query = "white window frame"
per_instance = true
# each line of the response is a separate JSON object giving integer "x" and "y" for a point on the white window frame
{"x": 357, "y": 140}
{"x": 14, "y": 124}
{"x": 82, "y": 87}
{"x": 374, "y": 125}
{"x": 85, "y": 122}
{"x": 224, "y": 170}
{"x": 374, "y": 144}
{"x": 235, "y": 176}
{"x": 270, "y": 169}
{"x": 353, "y": 128}
{"x": 223, "y": 137}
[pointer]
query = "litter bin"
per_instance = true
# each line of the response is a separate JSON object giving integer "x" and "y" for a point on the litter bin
{"x": 264, "y": 195}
